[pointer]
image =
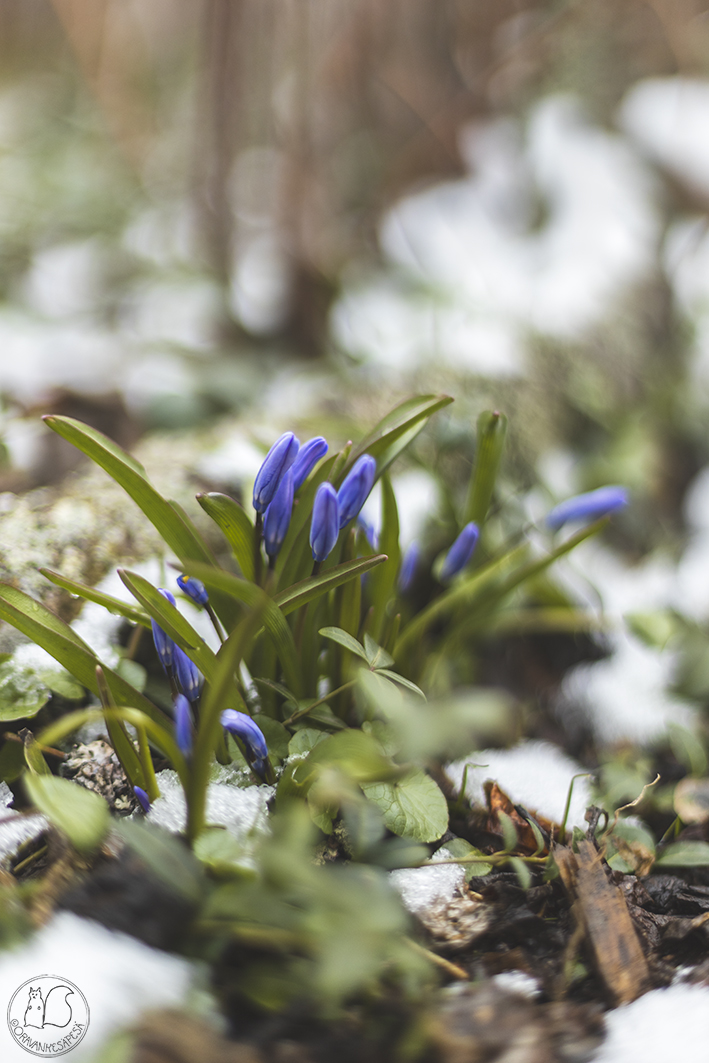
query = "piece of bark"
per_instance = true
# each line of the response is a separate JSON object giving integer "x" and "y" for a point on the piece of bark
{"x": 600, "y": 908}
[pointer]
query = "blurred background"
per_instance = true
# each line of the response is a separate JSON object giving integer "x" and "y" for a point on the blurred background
{"x": 293, "y": 213}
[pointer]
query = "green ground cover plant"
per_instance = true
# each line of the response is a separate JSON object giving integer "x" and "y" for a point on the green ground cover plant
{"x": 319, "y": 688}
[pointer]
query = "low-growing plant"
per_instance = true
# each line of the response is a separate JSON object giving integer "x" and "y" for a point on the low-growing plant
{"x": 314, "y": 687}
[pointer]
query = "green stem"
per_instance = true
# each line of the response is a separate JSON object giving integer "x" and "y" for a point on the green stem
{"x": 258, "y": 560}
{"x": 321, "y": 701}
{"x": 146, "y": 762}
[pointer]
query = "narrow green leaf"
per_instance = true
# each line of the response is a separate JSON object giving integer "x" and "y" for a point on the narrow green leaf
{"x": 166, "y": 856}
{"x": 38, "y": 612}
{"x": 336, "y": 634}
{"x": 348, "y": 598}
{"x": 234, "y": 522}
{"x": 170, "y": 620}
{"x": 160, "y": 735}
{"x": 397, "y": 429}
{"x": 272, "y": 617}
{"x": 177, "y": 531}
{"x": 309, "y": 589}
{"x": 79, "y": 813}
{"x": 383, "y": 580}
{"x": 114, "y": 605}
{"x": 524, "y": 875}
{"x": 492, "y": 429}
{"x": 509, "y": 831}
{"x": 489, "y": 582}
{"x": 58, "y": 639}
{"x": 33, "y": 756}
{"x": 396, "y": 678}
{"x": 214, "y": 701}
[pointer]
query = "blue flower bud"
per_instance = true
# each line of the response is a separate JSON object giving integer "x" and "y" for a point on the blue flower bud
{"x": 188, "y": 675}
{"x": 278, "y": 514}
{"x": 279, "y": 458}
{"x": 241, "y": 725}
{"x": 369, "y": 530}
{"x": 163, "y": 643}
{"x": 142, "y": 797}
{"x": 183, "y": 725}
{"x": 193, "y": 588}
{"x": 460, "y": 552}
{"x": 307, "y": 457}
{"x": 325, "y": 523}
{"x": 590, "y": 506}
{"x": 355, "y": 488}
{"x": 409, "y": 564}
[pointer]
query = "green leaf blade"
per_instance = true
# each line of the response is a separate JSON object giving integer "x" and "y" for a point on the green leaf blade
{"x": 79, "y": 813}
{"x": 177, "y": 531}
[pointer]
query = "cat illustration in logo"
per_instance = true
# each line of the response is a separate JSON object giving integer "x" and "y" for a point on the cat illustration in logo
{"x": 54, "y": 1010}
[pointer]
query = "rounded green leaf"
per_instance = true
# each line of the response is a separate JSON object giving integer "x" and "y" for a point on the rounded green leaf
{"x": 413, "y": 807}
{"x": 80, "y": 814}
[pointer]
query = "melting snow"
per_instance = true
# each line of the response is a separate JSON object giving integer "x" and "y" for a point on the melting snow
{"x": 421, "y": 887}
{"x": 536, "y": 775}
{"x": 664, "y": 1026}
{"x": 479, "y": 275}
{"x": 243, "y": 812}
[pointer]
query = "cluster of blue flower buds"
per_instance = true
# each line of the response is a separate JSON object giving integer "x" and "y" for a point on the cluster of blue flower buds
{"x": 284, "y": 470}
{"x": 178, "y": 667}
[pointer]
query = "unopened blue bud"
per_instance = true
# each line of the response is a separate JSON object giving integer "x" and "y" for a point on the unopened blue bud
{"x": 325, "y": 523}
{"x": 593, "y": 504}
{"x": 369, "y": 530}
{"x": 183, "y": 725}
{"x": 188, "y": 675}
{"x": 241, "y": 725}
{"x": 307, "y": 457}
{"x": 279, "y": 458}
{"x": 163, "y": 643}
{"x": 193, "y": 588}
{"x": 142, "y": 797}
{"x": 278, "y": 514}
{"x": 460, "y": 552}
{"x": 409, "y": 564}
{"x": 355, "y": 488}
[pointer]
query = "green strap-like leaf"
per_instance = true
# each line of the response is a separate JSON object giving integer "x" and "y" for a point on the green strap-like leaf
{"x": 171, "y": 621}
{"x": 177, "y": 531}
{"x": 395, "y": 431}
{"x": 309, "y": 589}
{"x": 58, "y": 639}
{"x": 160, "y": 734}
{"x": 234, "y": 522}
{"x": 114, "y": 605}
{"x": 215, "y": 700}
{"x": 491, "y": 582}
{"x": 272, "y": 618}
{"x": 383, "y": 581}
{"x": 492, "y": 429}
